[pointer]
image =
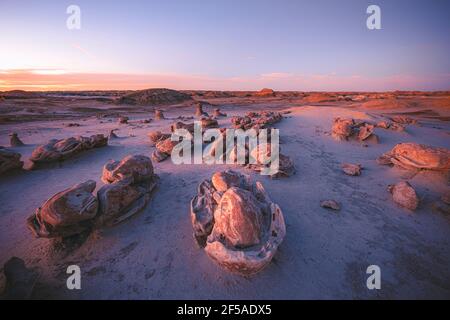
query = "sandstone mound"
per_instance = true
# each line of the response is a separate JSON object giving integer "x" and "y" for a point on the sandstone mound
{"x": 266, "y": 92}
{"x": 154, "y": 96}
{"x": 417, "y": 156}
{"x": 239, "y": 226}
{"x": 56, "y": 150}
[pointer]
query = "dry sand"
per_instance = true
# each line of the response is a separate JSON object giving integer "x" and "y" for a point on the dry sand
{"x": 325, "y": 253}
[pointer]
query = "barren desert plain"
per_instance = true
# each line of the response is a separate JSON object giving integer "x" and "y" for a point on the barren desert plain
{"x": 153, "y": 255}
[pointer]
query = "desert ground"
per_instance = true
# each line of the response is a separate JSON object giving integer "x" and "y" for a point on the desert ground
{"x": 153, "y": 255}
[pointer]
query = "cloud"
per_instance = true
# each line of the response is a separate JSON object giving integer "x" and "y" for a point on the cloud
{"x": 59, "y": 79}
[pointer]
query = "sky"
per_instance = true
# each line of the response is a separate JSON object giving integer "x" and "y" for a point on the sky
{"x": 320, "y": 45}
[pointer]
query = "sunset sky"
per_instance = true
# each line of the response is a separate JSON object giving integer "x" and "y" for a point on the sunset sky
{"x": 225, "y": 45}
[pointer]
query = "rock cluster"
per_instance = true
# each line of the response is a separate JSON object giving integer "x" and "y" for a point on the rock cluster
{"x": 129, "y": 184}
{"x": 344, "y": 129}
{"x": 417, "y": 156}
{"x": 256, "y": 120}
{"x": 56, "y": 150}
{"x": 236, "y": 223}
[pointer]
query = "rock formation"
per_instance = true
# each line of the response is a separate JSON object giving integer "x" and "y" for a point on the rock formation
{"x": 404, "y": 195}
{"x": 56, "y": 150}
{"x": 256, "y": 120}
{"x": 330, "y": 204}
{"x": 217, "y": 113}
{"x": 154, "y": 97}
{"x": 345, "y": 129}
{"x": 351, "y": 169}
{"x": 159, "y": 115}
{"x": 129, "y": 185}
{"x": 123, "y": 120}
{"x": 417, "y": 156}
{"x": 199, "y": 110}
{"x": 20, "y": 280}
{"x": 128, "y": 188}
{"x": 239, "y": 226}
{"x": 67, "y": 213}
{"x": 15, "y": 141}
{"x": 9, "y": 161}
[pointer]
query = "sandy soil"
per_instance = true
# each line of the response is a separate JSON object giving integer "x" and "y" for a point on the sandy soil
{"x": 325, "y": 253}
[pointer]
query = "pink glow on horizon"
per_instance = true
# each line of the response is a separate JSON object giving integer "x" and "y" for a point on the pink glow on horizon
{"x": 58, "y": 79}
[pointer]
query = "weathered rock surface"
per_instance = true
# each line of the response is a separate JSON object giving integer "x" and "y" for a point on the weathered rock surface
{"x": 130, "y": 183}
{"x": 417, "y": 156}
{"x": 217, "y": 113}
{"x": 404, "y": 195}
{"x": 331, "y": 204}
{"x": 159, "y": 115}
{"x": 345, "y": 129}
{"x": 9, "y": 161}
{"x": 156, "y": 136}
{"x": 15, "y": 141}
{"x": 256, "y": 120}
{"x": 240, "y": 227}
{"x": 154, "y": 97}
{"x": 351, "y": 169}
{"x": 56, "y": 150}
{"x": 67, "y": 213}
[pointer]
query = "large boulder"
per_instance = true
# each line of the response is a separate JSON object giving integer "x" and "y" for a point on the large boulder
{"x": 9, "y": 161}
{"x": 62, "y": 149}
{"x": 404, "y": 195}
{"x": 67, "y": 213}
{"x": 129, "y": 186}
{"x": 240, "y": 227}
{"x": 417, "y": 156}
{"x": 135, "y": 167}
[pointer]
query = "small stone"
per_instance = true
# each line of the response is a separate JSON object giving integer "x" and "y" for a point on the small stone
{"x": 330, "y": 204}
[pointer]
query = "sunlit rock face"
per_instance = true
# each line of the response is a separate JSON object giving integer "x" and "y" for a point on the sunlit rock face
{"x": 136, "y": 167}
{"x": 128, "y": 188}
{"x": 236, "y": 222}
{"x": 238, "y": 218}
{"x": 342, "y": 129}
{"x": 56, "y": 150}
{"x": 67, "y": 213}
{"x": 404, "y": 195}
{"x": 345, "y": 129}
{"x": 417, "y": 156}
{"x": 130, "y": 183}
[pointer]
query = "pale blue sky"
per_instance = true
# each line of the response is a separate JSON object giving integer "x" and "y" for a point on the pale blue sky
{"x": 226, "y": 39}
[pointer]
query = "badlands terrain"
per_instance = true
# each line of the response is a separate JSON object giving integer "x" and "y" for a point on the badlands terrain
{"x": 153, "y": 254}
